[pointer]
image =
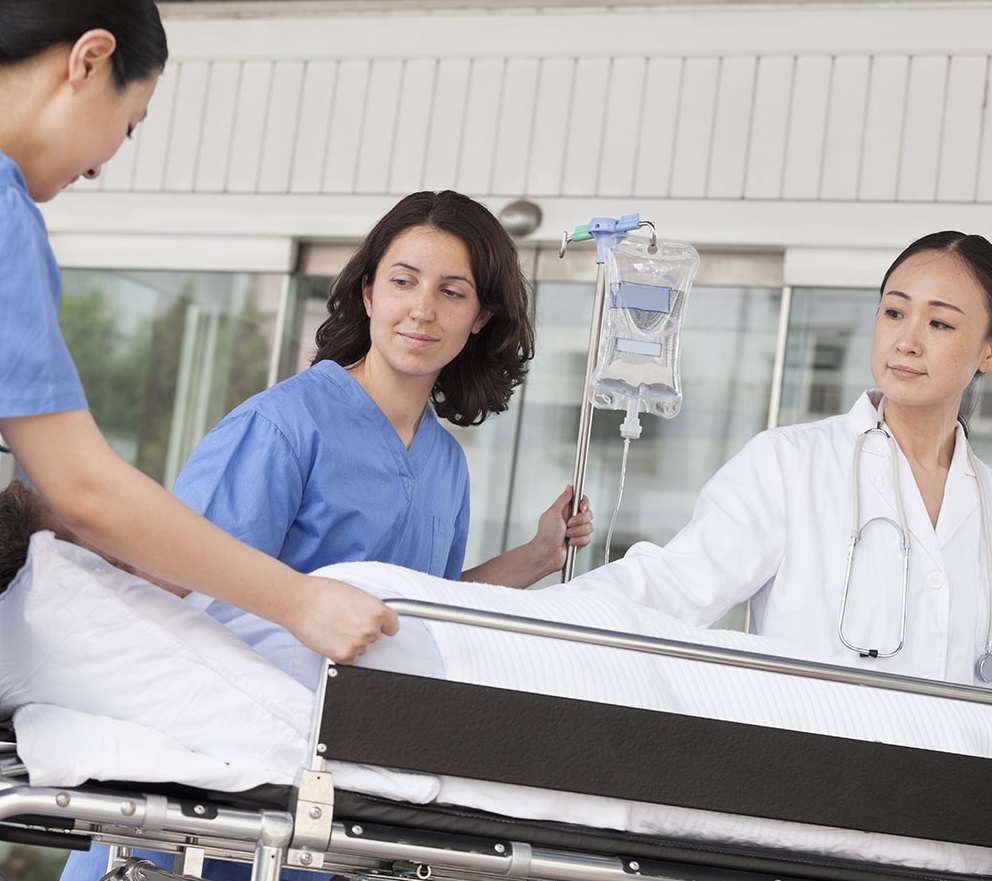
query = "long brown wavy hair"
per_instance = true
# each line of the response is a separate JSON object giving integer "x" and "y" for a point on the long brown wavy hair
{"x": 481, "y": 378}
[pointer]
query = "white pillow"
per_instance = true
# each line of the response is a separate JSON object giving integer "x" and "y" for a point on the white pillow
{"x": 81, "y": 634}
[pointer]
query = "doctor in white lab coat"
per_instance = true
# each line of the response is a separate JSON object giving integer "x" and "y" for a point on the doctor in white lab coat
{"x": 774, "y": 524}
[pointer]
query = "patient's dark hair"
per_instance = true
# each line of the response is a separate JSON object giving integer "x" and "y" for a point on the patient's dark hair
{"x": 22, "y": 513}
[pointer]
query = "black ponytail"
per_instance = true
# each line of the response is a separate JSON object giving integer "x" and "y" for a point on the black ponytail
{"x": 30, "y": 27}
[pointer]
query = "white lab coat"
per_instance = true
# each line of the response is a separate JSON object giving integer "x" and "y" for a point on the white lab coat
{"x": 774, "y": 525}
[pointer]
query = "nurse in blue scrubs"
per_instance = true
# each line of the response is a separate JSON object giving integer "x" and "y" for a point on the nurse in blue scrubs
{"x": 348, "y": 460}
{"x": 75, "y": 80}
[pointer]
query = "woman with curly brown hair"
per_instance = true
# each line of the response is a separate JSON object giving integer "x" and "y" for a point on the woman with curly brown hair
{"x": 347, "y": 460}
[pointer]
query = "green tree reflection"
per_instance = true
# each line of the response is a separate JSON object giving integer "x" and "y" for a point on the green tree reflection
{"x": 132, "y": 379}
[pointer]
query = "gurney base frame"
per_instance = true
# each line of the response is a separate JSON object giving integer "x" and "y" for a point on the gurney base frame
{"x": 364, "y": 849}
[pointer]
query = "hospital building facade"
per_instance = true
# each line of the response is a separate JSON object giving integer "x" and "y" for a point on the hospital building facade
{"x": 797, "y": 146}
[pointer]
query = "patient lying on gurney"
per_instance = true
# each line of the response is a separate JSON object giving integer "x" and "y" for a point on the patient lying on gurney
{"x": 81, "y": 638}
{"x": 110, "y": 678}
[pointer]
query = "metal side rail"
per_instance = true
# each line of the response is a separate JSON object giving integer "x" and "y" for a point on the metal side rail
{"x": 686, "y": 650}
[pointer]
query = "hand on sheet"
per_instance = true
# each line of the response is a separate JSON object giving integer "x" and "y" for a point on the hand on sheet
{"x": 338, "y": 620}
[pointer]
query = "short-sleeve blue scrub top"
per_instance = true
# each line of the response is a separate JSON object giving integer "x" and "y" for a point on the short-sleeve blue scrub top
{"x": 312, "y": 472}
{"x": 37, "y": 375}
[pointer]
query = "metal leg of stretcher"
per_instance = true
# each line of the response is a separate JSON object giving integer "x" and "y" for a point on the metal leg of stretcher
{"x": 150, "y": 820}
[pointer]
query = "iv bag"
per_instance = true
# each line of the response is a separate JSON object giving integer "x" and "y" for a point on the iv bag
{"x": 638, "y": 366}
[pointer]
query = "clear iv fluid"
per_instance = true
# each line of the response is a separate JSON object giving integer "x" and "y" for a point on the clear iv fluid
{"x": 638, "y": 369}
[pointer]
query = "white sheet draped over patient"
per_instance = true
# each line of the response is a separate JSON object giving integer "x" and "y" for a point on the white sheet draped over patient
{"x": 130, "y": 661}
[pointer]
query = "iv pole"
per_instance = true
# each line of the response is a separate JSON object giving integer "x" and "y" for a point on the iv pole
{"x": 602, "y": 229}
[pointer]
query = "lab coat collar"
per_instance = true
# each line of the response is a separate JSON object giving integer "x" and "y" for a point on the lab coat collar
{"x": 960, "y": 496}
{"x": 960, "y": 492}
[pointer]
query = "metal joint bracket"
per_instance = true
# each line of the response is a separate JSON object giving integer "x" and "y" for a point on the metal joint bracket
{"x": 314, "y": 811}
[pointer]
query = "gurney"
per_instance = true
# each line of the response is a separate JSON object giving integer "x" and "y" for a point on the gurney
{"x": 709, "y": 798}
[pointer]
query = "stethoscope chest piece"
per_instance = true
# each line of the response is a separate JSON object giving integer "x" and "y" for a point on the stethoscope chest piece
{"x": 983, "y": 667}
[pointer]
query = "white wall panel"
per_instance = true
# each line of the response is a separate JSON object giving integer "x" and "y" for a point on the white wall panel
{"x": 315, "y": 121}
{"x": 551, "y": 126}
{"x": 153, "y": 144}
{"x": 659, "y": 121}
{"x": 925, "y": 108}
{"x": 961, "y": 134}
{"x": 218, "y": 126}
{"x": 249, "y": 127}
{"x": 742, "y": 116}
{"x": 379, "y": 135}
{"x": 281, "y": 127}
{"x": 845, "y": 128}
{"x": 187, "y": 126}
{"x": 694, "y": 127}
{"x": 516, "y": 120}
{"x": 412, "y": 125}
{"x": 347, "y": 115}
{"x": 807, "y": 128}
{"x": 984, "y": 183}
{"x": 583, "y": 147}
{"x": 620, "y": 127}
{"x": 884, "y": 128}
{"x": 769, "y": 128}
{"x": 447, "y": 124}
{"x": 475, "y": 167}
{"x": 731, "y": 128}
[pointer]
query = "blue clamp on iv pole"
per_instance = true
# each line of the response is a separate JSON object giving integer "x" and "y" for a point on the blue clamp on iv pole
{"x": 603, "y": 230}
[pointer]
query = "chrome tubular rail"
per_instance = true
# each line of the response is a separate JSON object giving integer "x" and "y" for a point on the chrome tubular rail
{"x": 686, "y": 650}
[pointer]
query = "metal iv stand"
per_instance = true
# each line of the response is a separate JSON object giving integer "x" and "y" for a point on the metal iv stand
{"x": 604, "y": 230}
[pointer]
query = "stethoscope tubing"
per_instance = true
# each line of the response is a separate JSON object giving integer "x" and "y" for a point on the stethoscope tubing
{"x": 983, "y": 664}
{"x": 857, "y": 530}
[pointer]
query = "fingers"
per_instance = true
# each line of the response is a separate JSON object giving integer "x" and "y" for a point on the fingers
{"x": 345, "y": 621}
{"x": 391, "y": 623}
{"x": 563, "y": 502}
{"x": 579, "y": 528}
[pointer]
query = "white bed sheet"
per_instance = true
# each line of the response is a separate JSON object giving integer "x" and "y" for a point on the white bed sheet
{"x": 159, "y": 691}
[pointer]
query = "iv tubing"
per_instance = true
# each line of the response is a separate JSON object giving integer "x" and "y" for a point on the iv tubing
{"x": 616, "y": 510}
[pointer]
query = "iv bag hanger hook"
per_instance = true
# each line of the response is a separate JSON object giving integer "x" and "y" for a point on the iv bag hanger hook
{"x": 603, "y": 230}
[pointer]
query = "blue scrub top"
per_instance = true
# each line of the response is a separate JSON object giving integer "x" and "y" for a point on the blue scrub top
{"x": 312, "y": 472}
{"x": 37, "y": 374}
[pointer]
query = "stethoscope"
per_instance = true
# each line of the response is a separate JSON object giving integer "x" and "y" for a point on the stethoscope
{"x": 983, "y": 665}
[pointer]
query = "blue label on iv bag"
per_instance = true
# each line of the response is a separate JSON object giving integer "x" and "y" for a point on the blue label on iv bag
{"x": 646, "y": 297}
{"x": 639, "y": 347}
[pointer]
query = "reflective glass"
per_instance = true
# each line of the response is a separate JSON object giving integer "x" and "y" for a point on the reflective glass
{"x": 164, "y": 355}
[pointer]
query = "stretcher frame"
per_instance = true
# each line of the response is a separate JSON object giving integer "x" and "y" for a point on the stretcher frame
{"x": 443, "y": 727}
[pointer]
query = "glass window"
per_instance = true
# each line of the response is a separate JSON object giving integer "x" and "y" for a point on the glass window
{"x": 827, "y": 353}
{"x": 164, "y": 355}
